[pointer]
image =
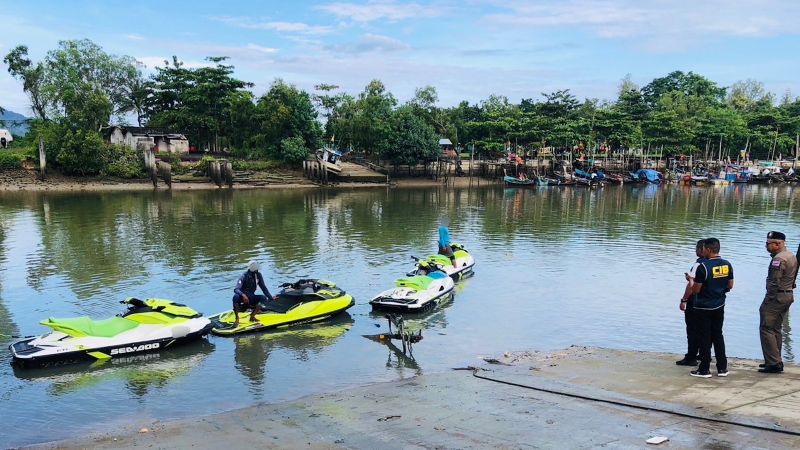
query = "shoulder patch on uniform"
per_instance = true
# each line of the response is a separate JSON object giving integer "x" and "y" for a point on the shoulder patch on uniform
{"x": 776, "y": 263}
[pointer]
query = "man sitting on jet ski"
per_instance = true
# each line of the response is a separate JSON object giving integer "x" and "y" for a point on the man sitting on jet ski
{"x": 245, "y": 292}
{"x": 446, "y": 250}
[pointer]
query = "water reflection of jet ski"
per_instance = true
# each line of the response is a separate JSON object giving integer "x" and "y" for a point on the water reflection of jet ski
{"x": 140, "y": 371}
{"x": 303, "y": 343}
{"x": 464, "y": 263}
{"x": 304, "y": 301}
{"x": 146, "y": 326}
{"x": 421, "y": 292}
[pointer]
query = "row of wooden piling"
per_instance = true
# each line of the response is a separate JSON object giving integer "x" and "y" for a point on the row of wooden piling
{"x": 315, "y": 170}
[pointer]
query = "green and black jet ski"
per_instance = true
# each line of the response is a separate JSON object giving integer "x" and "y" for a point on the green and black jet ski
{"x": 146, "y": 326}
{"x": 304, "y": 301}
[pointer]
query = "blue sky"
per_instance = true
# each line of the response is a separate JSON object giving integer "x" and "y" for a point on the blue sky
{"x": 467, "y": 49}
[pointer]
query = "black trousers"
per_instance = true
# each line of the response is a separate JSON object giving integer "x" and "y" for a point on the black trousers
{"x": 710, "y": 333}
{"x": 692, "y": 340}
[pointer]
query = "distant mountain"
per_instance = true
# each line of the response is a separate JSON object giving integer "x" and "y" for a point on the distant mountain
{"x": 16, "y": 123}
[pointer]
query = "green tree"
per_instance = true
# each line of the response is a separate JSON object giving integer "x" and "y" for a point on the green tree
{"x": 293, "y": 150}
{"x": 690, "y": 84}
{"x": 326, "y": 102}
{"x": 745, "y": 94}
{"x": 286, "y": 112}
{"x": 411, "y": 139}
{"x": 194, "y": 101}
{"x": 86, "y": 85}
{"x": 558, "y": 104}
{"x": 32, "y": 76}
{"x": 136, "y": 93}
{"x": 371, "y": 120}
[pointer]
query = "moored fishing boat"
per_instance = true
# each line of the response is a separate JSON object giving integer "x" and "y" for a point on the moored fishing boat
{"x": 516, "y": 182}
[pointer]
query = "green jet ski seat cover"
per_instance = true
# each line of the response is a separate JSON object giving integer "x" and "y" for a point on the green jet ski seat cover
{"x": 417, "y": 282}
{"x": 84, "y": 326}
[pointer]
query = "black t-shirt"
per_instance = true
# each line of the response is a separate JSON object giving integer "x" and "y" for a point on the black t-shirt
{"x": 714, "y": 274}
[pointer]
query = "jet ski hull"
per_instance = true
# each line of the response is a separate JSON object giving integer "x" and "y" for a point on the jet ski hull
{"x": 43, "y": 351}
{"x": 148, "y": 325}
{"x": 222, "y": 323}
{"x": 389, "y": 303}
{"x": 302, "y": 302}
{"x": 419, "y": 293}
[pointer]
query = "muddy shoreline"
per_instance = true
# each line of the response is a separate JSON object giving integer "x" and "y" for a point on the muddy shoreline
{"x": 579, "y": 397}
{"x": 28, "y": 181}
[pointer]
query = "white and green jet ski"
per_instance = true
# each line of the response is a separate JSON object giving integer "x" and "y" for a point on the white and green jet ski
{"x": 424, "y": 289}
{"x": 147, "y": 325}
{"x": 463, "y": 267}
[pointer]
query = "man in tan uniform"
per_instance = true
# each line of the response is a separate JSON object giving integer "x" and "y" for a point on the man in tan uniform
{"x": 780, "y": 283}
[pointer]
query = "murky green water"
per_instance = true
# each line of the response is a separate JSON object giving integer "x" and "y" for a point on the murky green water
{"x": 555, "y": 267}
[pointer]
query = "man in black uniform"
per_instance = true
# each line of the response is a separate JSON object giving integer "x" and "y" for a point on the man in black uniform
{"x": 245, "y": 297}
{"x": 780, "y": 283}
{"x": 687, "y": 306}
{"x": 714, "y": 279}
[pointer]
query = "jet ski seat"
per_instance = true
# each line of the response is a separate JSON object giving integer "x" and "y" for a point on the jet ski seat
{"x": 440, "y": 260}
{"x": 85, "y": 326}
{"x": 417, "y": 282}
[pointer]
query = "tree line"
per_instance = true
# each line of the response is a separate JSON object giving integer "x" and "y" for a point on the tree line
{"x": 78, "y": 89}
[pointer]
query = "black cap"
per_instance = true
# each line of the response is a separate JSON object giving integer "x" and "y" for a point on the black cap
{"x": 777, "y": 235}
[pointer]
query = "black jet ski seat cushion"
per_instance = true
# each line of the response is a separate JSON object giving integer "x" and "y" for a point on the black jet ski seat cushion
{"x": 282, "y": 303}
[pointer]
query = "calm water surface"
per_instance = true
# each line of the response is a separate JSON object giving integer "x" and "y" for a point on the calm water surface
{"x": 555, "y": 267}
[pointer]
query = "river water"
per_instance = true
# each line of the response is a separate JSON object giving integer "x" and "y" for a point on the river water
{"x": 555, "y": 267}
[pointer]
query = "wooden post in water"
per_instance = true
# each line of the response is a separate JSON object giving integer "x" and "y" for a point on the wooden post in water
{"x": 165, "y": 171}
{"x": 229, "y": 173}
{"x": 42, "y": 157}
{"x": 214, "y": 173}
{"x": 149, "y": 162}
{"x": 471, "y": 160}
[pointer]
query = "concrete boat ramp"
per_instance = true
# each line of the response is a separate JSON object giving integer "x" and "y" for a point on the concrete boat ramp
{"x": 355, "y": 173}
{"x": 576, "y": 398}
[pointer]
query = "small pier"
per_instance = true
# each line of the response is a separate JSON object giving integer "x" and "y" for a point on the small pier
{"x": 351, "y": 173}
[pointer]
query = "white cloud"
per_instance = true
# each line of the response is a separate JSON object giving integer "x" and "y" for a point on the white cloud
{"x": 282, "y": 27}
{"x": 371, "y": 43}
{"x": 158, "y": 61}
{"x": 658, "y": 26}
{"x": 133, "y": 37}
{"x": 258, "y": 48}
{"x": 382, "y": 9}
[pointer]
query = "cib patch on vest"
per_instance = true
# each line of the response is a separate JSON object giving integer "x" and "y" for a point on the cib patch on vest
{"x": 776, "y": 263}
{"x": 720, "y": 271}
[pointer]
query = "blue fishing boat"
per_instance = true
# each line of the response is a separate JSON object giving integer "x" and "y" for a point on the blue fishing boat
{"x": 649, "y": 175}
{"x": 516, "y": 182}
